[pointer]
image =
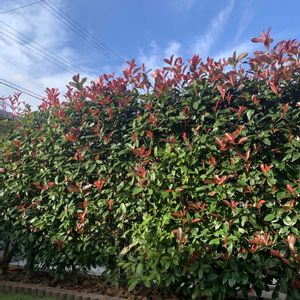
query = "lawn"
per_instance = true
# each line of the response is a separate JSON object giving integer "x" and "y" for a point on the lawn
{"x": 7, "y": 296}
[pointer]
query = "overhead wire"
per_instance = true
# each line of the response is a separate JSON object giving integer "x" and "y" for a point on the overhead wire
{"x": 20, "y": 89}
{"x": 20, "y": 7}
{"x": 34, "y": 49}
{"x": 81, "y": 31}
{"x": 74, "y": 26}
{"x": 120, "y": 58}
{"x": 65, "y": 62}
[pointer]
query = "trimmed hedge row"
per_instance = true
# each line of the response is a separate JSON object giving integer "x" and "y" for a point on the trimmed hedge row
{"x": 188, "y": 180}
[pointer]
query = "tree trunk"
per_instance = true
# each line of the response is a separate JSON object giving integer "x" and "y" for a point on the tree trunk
{"x": 7, "y": 256}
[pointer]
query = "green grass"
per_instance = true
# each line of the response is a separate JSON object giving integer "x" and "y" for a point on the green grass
{"x": 8, "y": 296}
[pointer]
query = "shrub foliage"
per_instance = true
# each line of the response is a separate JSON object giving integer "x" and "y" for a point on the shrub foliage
{"x": 188, "y": 180}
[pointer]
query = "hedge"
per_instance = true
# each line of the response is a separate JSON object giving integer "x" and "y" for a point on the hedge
{"x": 187, "y": 180}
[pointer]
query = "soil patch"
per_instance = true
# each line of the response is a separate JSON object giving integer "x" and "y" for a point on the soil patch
{"x": 87, "y": 284}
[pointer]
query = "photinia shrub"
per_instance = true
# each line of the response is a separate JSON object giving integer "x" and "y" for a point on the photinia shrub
{"x": 189, "y": 180}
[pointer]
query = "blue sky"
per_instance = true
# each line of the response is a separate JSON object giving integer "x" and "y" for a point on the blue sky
{"x": 145, "y": 30}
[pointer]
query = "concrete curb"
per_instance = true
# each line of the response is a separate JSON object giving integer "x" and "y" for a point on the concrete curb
{"x": 56, "y": 293}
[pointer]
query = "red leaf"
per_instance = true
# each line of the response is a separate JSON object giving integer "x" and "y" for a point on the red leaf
{"x": 84, "y": 204}
{"x": 149, "y": 134}
{"x": 169, "y": 61}
{"x": 257, "y": 40}
{"x": 290, "y": 189}
{"x": 87, "y": 187}
{"x": 133, "y": 137}
{"x": 82, "y": 216}
{"x": 285, "y": 108}
{"x": 221, "y": 180}
{"x": 242, "y": 140}
{"x": 70, "y": 137}
{"x": 37, "y": 185}
{"x": 99, "y": 184}
{"x": 228, "y": 137}
{"x": 196, "y": 220}
{"x": 109, "y": 203}
{"x": 140, "y": 172}
{"x": 110, "y": 113}
{"x": 232, "y": 78}
{"x": 153, "y": 119}
{"x": 291, "y": 241}
{"x": 148, "y": 106}
{"x": 212, "y": 161}
{"x": 260, "y": 203}
{"x": 222, "y": 144}
{"x": 222, "y": 91}
{"x": 274, "y": 88}
{"x": 275, "y": 253}
{"x": 265, "y": 169}
{"x": 244, "y": 157}
{"x": 255, "y": 100}
{"x": 226, "y": 202}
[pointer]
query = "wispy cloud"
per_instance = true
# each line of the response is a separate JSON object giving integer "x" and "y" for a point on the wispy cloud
{"x": 245, "y": 20}
{"x": 173, "y": 48}
{"x": 20, "y": 64}
{"x": 204, "y": 43}
{"x": 240, "y": 48}
{"x": 183, "y": 5}
{"x": 150, "y": 57}
{"x": 154, "y": 55}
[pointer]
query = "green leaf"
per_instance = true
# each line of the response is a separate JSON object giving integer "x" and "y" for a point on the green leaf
{"x": 123, "y": 208}
{"x": 249, "y": 114}
{"x": 267, "y": 141}
{"x": 269, "y": 217}
{"x": 214, "y": 241}
{"x": 139, "y": 269}
{"x": 137, "y": 190}
{"x": 283, "y": 285}
{"x": 289, "y": 222}
{"x": 132, "y": 284}
{"x": 231, "y": 282}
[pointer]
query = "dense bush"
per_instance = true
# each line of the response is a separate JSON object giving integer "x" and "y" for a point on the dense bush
{"x": 189, "y": 180}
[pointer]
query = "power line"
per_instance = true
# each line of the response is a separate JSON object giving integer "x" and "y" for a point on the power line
{"x": 20, "y": 89}
{"x": 122, "y": 60}
{"x": 35, "y": 50}
{"x": 75, "y": 27}
{"x": 81, "y": 31}
{"x": 20, "y": 7}
{"x": 62, "y": 60}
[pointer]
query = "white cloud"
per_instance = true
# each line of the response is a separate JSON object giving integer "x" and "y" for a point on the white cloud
{"x": 151, "y": 57}
{"x": 204, "y": 43}
{"x": 154, "y": 56}
{"x": 243, "y": 47}
{"x": 183, "y": 5}
{"x": 245, "y": 20}
{"x": 173, "y": 48}
{"x": 20, "y": 65}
